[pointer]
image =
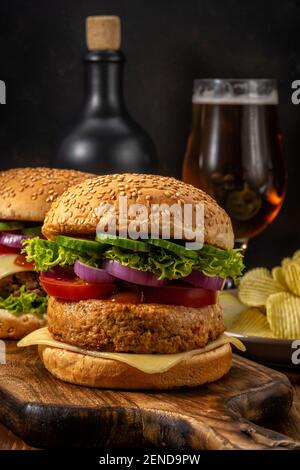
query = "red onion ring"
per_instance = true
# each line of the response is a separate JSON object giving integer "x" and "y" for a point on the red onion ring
{"x": 131, "y": 275}
{"x": 91, "y": 274}
{"x": 13, "y": 240}
{"x": 199, "y": 279}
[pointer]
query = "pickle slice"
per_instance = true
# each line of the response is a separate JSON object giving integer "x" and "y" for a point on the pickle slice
{"x": 7, "y": 226}
{"x": 80, "y": 244}
{"x": 178, "y": 250}
{"x": 128, "y": 243}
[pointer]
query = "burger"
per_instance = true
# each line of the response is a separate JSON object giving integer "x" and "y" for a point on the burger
{"x": 133, "y": 311}
{"x": 26, "y": 195}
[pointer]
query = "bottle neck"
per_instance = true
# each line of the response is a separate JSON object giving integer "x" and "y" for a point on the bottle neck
{"x": 104, "y": 83}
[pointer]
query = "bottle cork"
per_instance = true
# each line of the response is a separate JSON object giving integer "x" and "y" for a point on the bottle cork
{"x": 103, "y": 32}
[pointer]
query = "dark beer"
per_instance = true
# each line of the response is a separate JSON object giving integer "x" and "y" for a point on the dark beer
{"x": 234, "y": 153}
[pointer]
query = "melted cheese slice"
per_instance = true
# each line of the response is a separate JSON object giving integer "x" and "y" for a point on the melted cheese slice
{"x": 8, "y": 266}
{"x": 148, "y": 363}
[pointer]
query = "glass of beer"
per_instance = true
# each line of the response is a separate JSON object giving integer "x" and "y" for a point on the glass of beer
{"x": 234, "y": 151}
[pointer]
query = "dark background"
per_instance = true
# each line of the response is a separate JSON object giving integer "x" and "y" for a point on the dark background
{"x": 167, "y": 43}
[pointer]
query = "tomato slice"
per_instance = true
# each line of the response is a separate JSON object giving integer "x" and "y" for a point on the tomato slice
{"x": 7, "y": 250}
{"x": 185, "y": 296}
{"x": 127, "y": 297}
{"x": 21, "y": 261}
{"x": 75, "y": 290}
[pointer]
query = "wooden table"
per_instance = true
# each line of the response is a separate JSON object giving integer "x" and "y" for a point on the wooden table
{"x": 289, "y": 426}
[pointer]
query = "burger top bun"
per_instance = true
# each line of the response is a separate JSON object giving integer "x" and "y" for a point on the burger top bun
{"x": 27, "y": 193}
{"x": 75, "y": 212}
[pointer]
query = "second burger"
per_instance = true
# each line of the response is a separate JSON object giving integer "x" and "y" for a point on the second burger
{"x": 26, "y": 194}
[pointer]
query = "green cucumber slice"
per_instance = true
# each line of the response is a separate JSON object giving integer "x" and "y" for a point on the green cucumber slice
{"x": 80, "y": 244}
{"x": 35, "y": 231}
{"x": 178, "y": 250}
{"x": 212, "y": 250}
{"x": 7, "y": 226}
{"x": 128, "y": 243}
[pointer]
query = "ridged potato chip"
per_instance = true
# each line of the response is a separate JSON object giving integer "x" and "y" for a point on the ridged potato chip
{"x": 291, "y": 273}
{"x": 231, "y": 307}
{"x": 278, "y": 276}
{"x": 252, "y": 322}
{"x": 285, "y": 262}
{"x": 255, "y": 273}
{"x": 296, "y": 256}
{"x": 257, "y": 287}
{"x": 283, "y": 315}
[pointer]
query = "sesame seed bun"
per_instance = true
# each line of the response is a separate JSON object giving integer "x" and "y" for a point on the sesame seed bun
{"x": 16, "y": 327}
{"x": 26, "y": 194}
{"x": 91, "y": 371}
{"x": 75, "y": 211}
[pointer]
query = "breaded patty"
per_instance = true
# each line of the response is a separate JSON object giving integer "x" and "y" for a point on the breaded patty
{"x": 103, "y": 325}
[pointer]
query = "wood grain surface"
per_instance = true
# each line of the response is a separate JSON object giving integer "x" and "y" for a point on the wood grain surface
{"x": 290, "y": 425}
{"x": 47, "y": 413}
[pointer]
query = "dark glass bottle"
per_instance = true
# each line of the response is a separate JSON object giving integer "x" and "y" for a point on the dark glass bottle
{"x": 106, "y": 139}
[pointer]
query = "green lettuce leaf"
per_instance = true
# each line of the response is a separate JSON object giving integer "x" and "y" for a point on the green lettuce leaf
{"x": 212, "y": 261}
{"x": 158, "y": 261}
{"x": 46, "y": 254}
{"x": 223, "y": 263}
{"x": 26, "y": 302}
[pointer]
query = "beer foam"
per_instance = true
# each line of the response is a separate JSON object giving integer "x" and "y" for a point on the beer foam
{"x": 208, "y": 97}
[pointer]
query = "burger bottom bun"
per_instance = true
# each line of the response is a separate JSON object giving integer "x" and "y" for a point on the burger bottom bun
{"x": 79, "y": 369}
{"x": 16, "y": 327}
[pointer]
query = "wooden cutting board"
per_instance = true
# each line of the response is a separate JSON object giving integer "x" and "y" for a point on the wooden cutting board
{"x": 48, "y": 413}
